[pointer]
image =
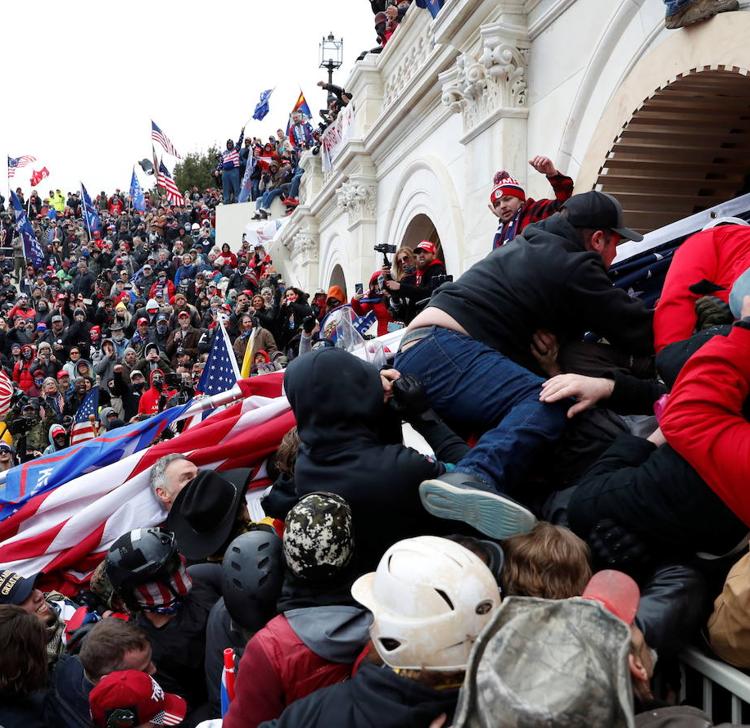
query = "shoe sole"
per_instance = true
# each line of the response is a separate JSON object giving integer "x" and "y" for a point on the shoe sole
{"x": 490, "y": 513}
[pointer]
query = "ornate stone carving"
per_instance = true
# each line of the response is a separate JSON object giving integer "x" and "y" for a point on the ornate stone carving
{"x": 413, "y": 57}
{"x": 304, "y": 245}
{"x": 495, "y": 80}
{"x": 357, "y": 199}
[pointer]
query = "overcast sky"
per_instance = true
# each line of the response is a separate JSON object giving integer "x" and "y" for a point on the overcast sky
{"x": 87, "y": 77}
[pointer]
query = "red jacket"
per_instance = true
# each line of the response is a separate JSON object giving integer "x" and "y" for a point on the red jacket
{"x": 719, "y": 255}
{"x": 703, "y": 420}
{"x": 276, "y": 669}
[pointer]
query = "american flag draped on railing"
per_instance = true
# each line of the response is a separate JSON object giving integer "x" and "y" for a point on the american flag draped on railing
{"x": 165, "y": 181}
{"x": 161, "y": 138}
{"x": 15, "y": 163}
{"x": 65, "y": 530}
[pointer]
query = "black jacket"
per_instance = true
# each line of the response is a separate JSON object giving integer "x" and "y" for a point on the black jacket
{"x": 28, "y": 712}
{"x": 352, "y": 446}
{"x": 544, "y": 280}
{"x": 427, "y": 284}
{"x": 375, "y": 696}
{"x": 69, "y": 693}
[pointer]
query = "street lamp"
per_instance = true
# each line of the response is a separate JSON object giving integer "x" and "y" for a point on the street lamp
{"x": 331, "y": 56}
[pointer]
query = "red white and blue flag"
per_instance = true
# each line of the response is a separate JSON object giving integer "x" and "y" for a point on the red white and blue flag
{"x": 165, "y": 181}
{"x": 228, "y": 677}
{"x": 161, "y": 138}
{"x": 83, "y": 428}
{"x": 64, "y": 526}
{"x": 15, "y": 163}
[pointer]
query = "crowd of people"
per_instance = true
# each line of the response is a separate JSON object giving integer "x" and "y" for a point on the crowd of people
{"x": 582, "y": 508}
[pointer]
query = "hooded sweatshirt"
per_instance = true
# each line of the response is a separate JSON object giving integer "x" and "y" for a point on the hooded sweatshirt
{"x": 151, "y": 399}
{"x": 351, "y": 446}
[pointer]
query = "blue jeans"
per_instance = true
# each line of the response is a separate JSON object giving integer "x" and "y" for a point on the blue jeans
{"x": 296, "y": 180}
{"x": 230, "y": 182}
{"x": 673, "y": 6}
{"x": 473, "y": 386}
{"x": 264, "y": 203}
{"x": 255, "y": 194}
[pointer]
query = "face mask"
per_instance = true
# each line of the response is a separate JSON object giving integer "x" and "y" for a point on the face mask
{"x": 157, "y": 384}
{"x": 161, "y": 328}
{"x": 117, "y": 335}
{"x": 137, "y": 386}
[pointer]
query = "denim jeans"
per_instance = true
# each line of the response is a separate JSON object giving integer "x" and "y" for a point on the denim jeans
{"x": 673, "y": 6}
{"x": 264, "y": 203}
{"x": 475, "y": 387}
{"x": 255, "y": 194}
{"x": 296, "y": 181}
{"x": 230, "y": 182}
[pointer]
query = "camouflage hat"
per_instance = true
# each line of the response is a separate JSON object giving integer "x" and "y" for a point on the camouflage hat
{"x": 548, "y": 662}
{"x": 318, "y": 536}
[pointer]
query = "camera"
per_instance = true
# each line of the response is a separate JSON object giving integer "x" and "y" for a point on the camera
{"x": 386, "y": 249}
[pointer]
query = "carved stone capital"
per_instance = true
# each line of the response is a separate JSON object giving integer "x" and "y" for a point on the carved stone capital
{"x": 304, "y": 245}
{"x": 357, "y": 199}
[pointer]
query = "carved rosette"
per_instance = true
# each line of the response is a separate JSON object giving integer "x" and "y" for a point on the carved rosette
{"x": 358, "y": 200}
{"x": 496, "y": 79}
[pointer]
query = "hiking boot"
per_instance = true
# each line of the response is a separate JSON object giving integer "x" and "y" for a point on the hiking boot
{"x": 463, "y": 497}
{"x": 697, "y": 11}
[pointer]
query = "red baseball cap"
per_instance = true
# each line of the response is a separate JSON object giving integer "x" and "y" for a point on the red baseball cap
{"x": 142, "y": 320}
{"x": 135, "y": 698}
{"x": 182, "y": 314}
{"x": 427, "y": 246}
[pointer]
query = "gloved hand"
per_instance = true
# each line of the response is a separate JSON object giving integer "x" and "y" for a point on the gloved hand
{"x": 613, "y": 547}
{"x": 409, "y": 398}
{"x": 711, "y": 311}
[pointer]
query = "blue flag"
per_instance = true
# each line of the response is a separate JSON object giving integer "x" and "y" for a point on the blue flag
{"x": 434, "y": 6}
{"x": 51, "y": 471}
{"x": 93, "y": 222}
{"x": 221, "y": 372}
{"x": 136, "y": 194}
{"x": 31, "y": 248}
{"x": 262, "y": 108}
{"x": 246, "y": 187}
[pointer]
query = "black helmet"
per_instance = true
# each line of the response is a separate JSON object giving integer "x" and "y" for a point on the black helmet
{"x": 253, "y": 572}
{"x": 143, "y": 555}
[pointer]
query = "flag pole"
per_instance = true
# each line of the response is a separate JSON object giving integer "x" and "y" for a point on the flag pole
{"x": 85, "y": 212}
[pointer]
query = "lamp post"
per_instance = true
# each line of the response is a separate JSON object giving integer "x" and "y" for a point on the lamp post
{"x": 331, "y": 56}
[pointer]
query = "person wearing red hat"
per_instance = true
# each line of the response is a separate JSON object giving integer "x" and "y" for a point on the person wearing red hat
{"x": 429, "y": 274}
{"x": 509, "y": 204}
{"x": 133, "y": 699}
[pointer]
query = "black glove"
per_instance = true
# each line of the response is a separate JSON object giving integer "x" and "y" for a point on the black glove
{"x": 612, "y": 547}
{"x": 308, "y": 324}
{"x": 712, "y": 311}
{"x": 409, "y": 398}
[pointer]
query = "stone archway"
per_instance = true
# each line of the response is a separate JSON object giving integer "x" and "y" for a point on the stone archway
{"x": 674, "y": 138}
{"x": 338, "y": 278}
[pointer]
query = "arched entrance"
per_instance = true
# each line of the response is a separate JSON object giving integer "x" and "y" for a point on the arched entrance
{"x": 338, "y": 278}
{"x": 685, "y": 149}
{"x": 421, "y": 228}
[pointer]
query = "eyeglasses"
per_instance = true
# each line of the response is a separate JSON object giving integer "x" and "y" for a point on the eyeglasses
{"x": 405, "y": 259}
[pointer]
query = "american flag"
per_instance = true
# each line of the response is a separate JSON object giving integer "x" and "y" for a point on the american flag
{"x": 6, "y": 392}
{"x": 161, "y": 138}
{"x": 221, "y": 371}
{"x": 165, "y": 181}
{"x": 83, "y": 428}
{"x": 15, "y": 163}
{"x": 66, "y": 531}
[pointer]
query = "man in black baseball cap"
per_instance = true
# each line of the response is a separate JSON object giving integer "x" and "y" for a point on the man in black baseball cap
{"x": 477, "y": 349}
{"x": 14, "y": 588}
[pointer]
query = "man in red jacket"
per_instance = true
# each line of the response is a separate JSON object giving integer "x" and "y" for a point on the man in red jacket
{"x": 320, "y": 632}
{"x": 707, "y": 263}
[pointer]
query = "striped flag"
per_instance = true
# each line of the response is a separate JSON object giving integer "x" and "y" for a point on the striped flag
{"x": 165, "y": 181}
{"x": 65, "y": 531}
{"x": 221, "y": 371}
{"x": 15, "y": 163}
{"x": 228, "y": 676}
{"x": 6, "y": 392}
{"x": 83, "y": 428}
{"x": 161, "y": 138}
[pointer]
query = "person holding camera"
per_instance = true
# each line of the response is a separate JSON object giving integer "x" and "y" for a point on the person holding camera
{"x": 429, "y": 274}
{"x": 183, "y": 340}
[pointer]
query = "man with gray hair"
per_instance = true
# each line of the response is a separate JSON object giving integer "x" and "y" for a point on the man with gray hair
{"x": 169, "y": 476}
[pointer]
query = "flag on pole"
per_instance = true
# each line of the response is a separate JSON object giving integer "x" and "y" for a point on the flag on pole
{"x": 246, "y": 188}
{"x": 83, "y": 428}
{"x": 49, "y": 472}
{"x": 165, "y": 181}
{"x": 161, "y": 138}
{"x": 93, "y": 222}
{"x": 262, "y": 108}
{"x": 136, "y": 193}
{"x": 31, "y": 248}
{"x": 302, "y": 108}
{"x": 227, "y": 681}
{"x": 15, "y": 163}
{"x": 434, "y": 6}
{"x": 38, "y": 175}
{"x": 221, "y": 372}
{"x": 66, "y": 531}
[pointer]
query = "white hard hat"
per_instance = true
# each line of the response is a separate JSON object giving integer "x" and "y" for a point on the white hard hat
{"x": 430, "y": 599}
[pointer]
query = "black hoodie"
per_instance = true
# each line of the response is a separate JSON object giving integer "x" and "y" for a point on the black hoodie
{"x": 375, "y": 696}
{"x": 351, "y": 445}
